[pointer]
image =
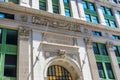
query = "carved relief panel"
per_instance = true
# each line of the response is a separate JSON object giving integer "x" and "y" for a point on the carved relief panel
{"x": 51, "y": 38}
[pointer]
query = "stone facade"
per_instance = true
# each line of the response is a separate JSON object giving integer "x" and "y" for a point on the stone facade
{"x": 47, "y": 39}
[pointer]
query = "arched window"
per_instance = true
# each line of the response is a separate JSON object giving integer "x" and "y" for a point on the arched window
{"x": 57, "y": 72}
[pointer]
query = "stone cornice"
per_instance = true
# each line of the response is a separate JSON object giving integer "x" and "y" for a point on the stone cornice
{"x": 55, "y": 17}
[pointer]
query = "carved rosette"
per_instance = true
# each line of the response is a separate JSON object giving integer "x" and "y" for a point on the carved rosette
{"x": 24, "y": 32}
{"x": 109, "y": 44}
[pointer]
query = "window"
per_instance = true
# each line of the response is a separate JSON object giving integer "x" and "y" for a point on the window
{"x": 88, "y": 5}
{"x": 94, "y": 19}
{"x": 55, "y": 5}
{"x": 119, "y": 14}
{"x": 105, "y": 70}
{"x": 87, "y": 17}
{"x": 84, "y": 4}
{"x": 8, "y": 53}
{"x": 115, "y": 48}
{"x": 95, "y": 48}
{"x": 56, "y": 72}
{"x": 96, "y": 33}
{"x": 11, "y": 37}
{"x": 42, "y": 4}
{"x": 67, "y": 12}
{"x": 0, "y": 35}
{"x": 107, "y": 22}
{"x": 67, "y": 8}
{"x": 66, "y": 1}
{"x": 109, "y": 71}
{"x": 5, "y": 15}
{"x": 110, "y": 23}
{"x": 91, "y": 18}
{"x": 91, "y": 6}
{"x": 116, "y": 37}
{"x": 10, "y": 65}
{"x": 100, "y": 49}
{"x": 106, "y": 11}
{"x": 100, "y": 70}
{"x": 2, "y": 1}
{"x": 115, "y": 1}
{"x": 103, "y": 49}
{"x": 14, "y": 1}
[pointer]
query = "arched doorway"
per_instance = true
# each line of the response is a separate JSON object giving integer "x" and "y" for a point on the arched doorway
{"x": 56, "y": 72}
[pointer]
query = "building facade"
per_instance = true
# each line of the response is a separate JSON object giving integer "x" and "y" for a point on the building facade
{"x": 59, "y": 40}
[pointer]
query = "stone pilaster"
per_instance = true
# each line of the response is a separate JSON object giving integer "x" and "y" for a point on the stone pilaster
{"x": 23, "y": 56}
{"x": 117, "y": 20}
{"x": 74, "y": 9}
{"x": 100, "y": 14}
{"x": 91, "y": 59}
{"x": 80, "y": 10}
{"x": 49, "y": 6}
{"x": 35, "y": 4}
{"x": 24, "y": 3}
{"x": 62, "y": 9}
{"x": 113, "y": 59}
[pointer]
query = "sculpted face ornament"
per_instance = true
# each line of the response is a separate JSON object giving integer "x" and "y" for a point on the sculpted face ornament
{"x": 61, "y": 53}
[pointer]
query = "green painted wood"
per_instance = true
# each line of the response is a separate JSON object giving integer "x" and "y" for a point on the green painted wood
{"x": 11, "y": 49}
{"x": 90, "y": 12}
{"x": 67, "y": 5}
{"x": 118, "y": 59}
{"x": 109, "y": 17}
{"x": 101, "y": 58}
{"x": 42, "y": 0}
{"x": 5, "y": 49}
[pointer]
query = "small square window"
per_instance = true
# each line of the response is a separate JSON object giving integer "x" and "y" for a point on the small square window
{"x": 2, "y": 15}
{"x": 96, "y": 33}
{"x": 116, "y": 37}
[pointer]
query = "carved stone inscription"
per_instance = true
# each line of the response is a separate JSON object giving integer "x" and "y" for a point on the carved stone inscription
{"x": 56, "y": 23}
{"x": 58, "y": 39}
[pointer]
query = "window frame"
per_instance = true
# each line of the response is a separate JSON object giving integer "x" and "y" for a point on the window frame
{"x": 43, "y": 6}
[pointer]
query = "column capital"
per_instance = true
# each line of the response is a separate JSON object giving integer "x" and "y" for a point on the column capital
{"x": 109, "y": 44}
{"x": 24, "y": 32}
{"x": 87, "y": 40}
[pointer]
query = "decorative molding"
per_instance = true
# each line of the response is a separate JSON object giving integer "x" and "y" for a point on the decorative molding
{"x": 56, "y": 23}
{"x": 53, "y": 38}
{"x": 87, "y": 40}
{"x": 61, "y": 53}
{"x": 39, "y": 20}
{"x": 23, "y": 18}
{"x": 24, "y": 32}
{"x": 109, "y": 44}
